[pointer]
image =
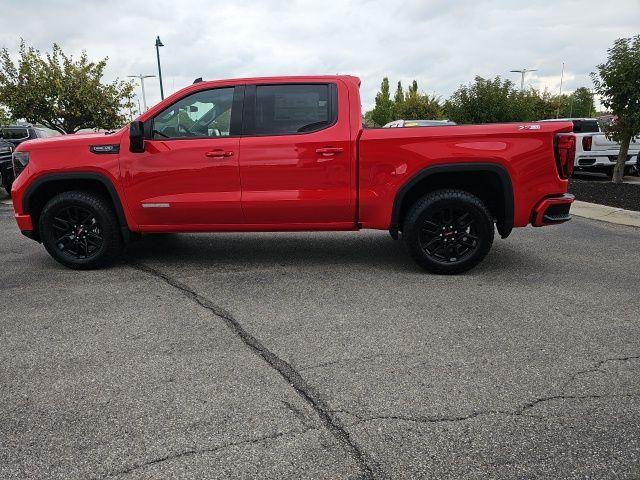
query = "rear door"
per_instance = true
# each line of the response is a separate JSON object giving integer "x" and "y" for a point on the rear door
{"x": 295, "y": 163}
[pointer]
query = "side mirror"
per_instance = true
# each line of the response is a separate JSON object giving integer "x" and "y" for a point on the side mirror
{"x": 136, "y": 137}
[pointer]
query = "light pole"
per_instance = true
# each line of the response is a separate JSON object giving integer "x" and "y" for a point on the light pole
{"x": 523, "y": 72}
{"x": 158, "y": 45}
{"x": 144, "y": 96}
{"x": 560, "y": 96}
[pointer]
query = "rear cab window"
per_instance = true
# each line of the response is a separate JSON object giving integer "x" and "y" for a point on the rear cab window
{"x": 586, "y": 126}
{"x": 287, "y": 109}
{"x": 14, "y": 133}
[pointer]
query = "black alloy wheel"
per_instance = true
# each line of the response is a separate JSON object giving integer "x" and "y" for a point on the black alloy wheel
{"x": 448, "y": 231}
{"x": 78, "y": 233}
{"x": 80, "y": 230}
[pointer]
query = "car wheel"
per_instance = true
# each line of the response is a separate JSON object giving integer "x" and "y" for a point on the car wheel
{"x": 448, "y": 231}
{"x": 80, "y": 230}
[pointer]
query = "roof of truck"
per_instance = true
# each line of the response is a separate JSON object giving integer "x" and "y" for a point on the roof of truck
{"x": 284, "y": 78}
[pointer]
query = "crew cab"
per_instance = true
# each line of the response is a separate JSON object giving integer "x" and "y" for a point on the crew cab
{"x": 290, "y": 154}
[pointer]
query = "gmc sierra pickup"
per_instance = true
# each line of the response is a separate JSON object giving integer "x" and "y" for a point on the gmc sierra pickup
{"x": 284, "y": 154}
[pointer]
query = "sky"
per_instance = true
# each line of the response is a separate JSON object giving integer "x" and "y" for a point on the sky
{"x": 440, "y": 43}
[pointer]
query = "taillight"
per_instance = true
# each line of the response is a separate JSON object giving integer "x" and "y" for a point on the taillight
{"x": 586, "y": 143}
{"x": 565, "y": 154}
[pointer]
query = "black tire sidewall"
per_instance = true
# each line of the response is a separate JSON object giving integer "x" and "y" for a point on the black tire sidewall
{"x": 419, "y": 212}
{"x": 100, "y": 207}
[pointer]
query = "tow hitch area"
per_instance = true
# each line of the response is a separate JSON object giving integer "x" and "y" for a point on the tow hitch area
{"x": 551, "y": 211}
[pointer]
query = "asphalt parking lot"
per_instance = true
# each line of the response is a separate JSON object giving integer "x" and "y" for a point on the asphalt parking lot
{"x": 324, "y": 355}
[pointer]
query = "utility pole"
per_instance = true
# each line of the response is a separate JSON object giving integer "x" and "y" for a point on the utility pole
{"x": 523, "y": 72}
{"x": 144, "y": 95}
{"x": 158, "y": 45}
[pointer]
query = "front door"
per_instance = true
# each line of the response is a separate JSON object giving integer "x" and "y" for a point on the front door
{"x": 295, "y": 161}
{"x": 188, "y": 176}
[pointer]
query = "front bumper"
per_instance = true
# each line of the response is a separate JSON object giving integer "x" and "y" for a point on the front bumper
{"x": 552, "y": 211}
{"x": 24, "y": 222}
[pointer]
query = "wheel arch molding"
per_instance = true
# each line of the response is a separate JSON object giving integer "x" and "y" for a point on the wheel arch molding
{"x": 458, "y": 175}
{"x": 58, "y": 182}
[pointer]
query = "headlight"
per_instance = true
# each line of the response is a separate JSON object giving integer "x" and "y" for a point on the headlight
{"x": 20, "y": 161}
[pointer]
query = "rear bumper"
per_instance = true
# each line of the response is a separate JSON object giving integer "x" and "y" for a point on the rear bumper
{"x": 601, "y": 161}
{"x": 552, "y": 211}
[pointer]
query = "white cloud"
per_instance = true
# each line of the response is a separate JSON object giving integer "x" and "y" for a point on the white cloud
{"x": 441, "y": 43}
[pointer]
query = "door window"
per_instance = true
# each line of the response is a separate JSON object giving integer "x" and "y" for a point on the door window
{"x": 200, "y": 115}
{"x": 290, "y": 109}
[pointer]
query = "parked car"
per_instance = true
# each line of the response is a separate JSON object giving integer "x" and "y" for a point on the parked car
{"x": 15, "y": 135}
{"x": 285, "y": 154}
{"x": 595, "y": 152}
{"x": 418, "y": 123}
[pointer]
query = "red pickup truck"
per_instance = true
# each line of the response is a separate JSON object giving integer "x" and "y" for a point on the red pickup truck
{"x": 284, "y": 154}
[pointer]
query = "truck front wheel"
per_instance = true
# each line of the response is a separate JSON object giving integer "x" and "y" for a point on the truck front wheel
{"x": 80, "y": 230}
{"x": 448, "y": 231}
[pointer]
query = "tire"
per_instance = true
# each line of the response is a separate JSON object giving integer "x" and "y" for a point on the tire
{"x": 448, "y": 231}
{"x": 80, "y": 230}
{"x": 6, "y": 184}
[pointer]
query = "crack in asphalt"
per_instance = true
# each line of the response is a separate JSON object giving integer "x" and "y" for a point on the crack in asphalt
{"x": 200, "y": 451}
{"x": 370, "y": 469}
{"x": 598, "y": 365}
{"x": 518, "y": 412}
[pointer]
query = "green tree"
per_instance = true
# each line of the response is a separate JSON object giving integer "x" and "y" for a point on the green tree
{"x": 617, "y": 81}
{"x": 5, "y": 118}
{"x": 419, "y": 106}
{"x": 60, "y": 92}
{"x": 580, "y": 104}
{"x": 383, "y": 111}
{"x": 398, "y": 100}
{"x": 486, "y": 101}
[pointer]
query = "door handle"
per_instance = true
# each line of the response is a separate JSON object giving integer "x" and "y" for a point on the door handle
{"x": 329, "y": 151}
{"x": 218, "y": 153}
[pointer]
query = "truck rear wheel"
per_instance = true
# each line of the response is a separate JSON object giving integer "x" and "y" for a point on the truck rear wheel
{"x": 80, "y": 230}
{"x": 448, "y": 231}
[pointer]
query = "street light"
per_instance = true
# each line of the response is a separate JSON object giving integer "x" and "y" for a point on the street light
{"x": 158, "y": 45}
{"x": 523, "y": 72}
{"x": 144, "y": 96}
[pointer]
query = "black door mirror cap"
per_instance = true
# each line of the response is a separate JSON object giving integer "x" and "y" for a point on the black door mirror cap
{"x": 136, "y": 137}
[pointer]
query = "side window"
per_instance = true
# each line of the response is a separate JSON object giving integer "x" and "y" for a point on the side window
{"x": 287, "y": 109}
{"x": 201, "y": 114}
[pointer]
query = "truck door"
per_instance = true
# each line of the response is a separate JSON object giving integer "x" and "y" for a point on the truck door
{"x": 295, "y": 161}
{"x": 188, "y": 177}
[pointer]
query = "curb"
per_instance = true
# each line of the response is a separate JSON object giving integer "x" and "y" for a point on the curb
{"x": 604, "y": 213}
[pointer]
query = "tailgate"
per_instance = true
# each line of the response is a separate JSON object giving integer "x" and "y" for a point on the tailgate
{"x": 602, "y": 143}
